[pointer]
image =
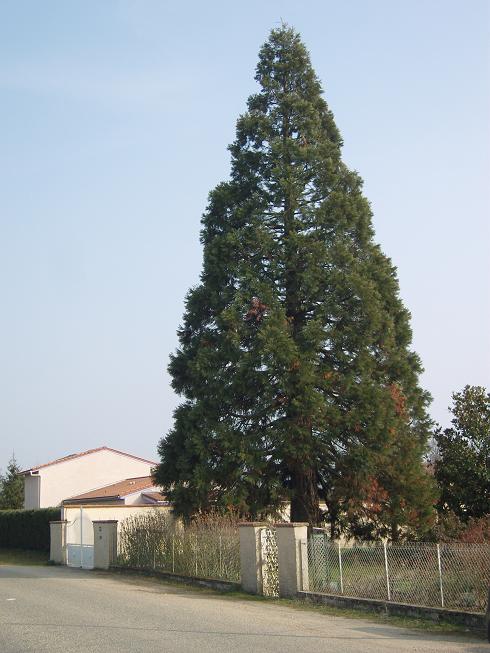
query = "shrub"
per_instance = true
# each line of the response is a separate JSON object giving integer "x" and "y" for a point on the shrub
{"x": 207, "y": 547}
{"x": 27, "y": 529}
{"x": 450, "y": 528}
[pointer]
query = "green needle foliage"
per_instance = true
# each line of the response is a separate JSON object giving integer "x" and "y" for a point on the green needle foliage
{"x": 462, "y": 466}
{"x": 12, "y": 487}
{"x": 294, "y": 359}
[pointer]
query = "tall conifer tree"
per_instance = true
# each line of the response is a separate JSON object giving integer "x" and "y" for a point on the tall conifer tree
{"x": 294, "y": 360}
{"x": 12, "y": 487}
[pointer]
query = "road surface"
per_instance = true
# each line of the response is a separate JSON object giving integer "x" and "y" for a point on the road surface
{"x": 56, "y": 609}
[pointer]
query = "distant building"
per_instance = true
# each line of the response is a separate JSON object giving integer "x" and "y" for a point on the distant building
{"x": 49, "y": 484}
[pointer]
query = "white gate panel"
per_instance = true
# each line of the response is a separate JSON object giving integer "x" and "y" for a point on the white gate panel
{"x": 73, "y": 557}
{"x": 80, "y": 542}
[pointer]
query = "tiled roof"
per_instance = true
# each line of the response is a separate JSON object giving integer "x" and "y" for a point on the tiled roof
{"x": 85, "y": 453}
{"x": 117, "y": 490}
{"x": 156, "y": 496}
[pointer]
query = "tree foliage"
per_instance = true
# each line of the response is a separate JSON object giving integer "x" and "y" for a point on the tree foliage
{"x": 462, "y": 465}
{"x": 450, "y": 528}
{"x": 12, "y": 487}
{"x": 294, "y": 360}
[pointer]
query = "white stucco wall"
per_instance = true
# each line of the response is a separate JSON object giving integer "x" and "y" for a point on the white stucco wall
{"x": 90, "y": 514}
{"x": 31, "y": 492}
{"x": 94, "y": 470}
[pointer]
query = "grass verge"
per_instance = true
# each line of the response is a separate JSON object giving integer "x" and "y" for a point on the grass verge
{"x": 420, "y": 624}
{"x": 413, "y": 623}
{"x": 23, "y": 557}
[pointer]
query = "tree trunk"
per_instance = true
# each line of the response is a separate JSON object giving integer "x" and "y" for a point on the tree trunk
{"x": 333, "y": 513}
{"x": 304, "y": 501}
{"x": 394, "y": 532}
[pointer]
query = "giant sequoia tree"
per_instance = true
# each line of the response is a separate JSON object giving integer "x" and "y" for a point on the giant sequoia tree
{"x": 294, "y": 359}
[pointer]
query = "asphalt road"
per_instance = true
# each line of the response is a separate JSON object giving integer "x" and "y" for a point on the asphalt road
{"x": 51, "y": 609}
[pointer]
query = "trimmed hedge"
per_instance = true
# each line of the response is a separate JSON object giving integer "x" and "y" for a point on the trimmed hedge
{"x": 27, "y": 529}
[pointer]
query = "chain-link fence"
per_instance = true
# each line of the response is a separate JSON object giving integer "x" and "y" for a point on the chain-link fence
{"x": 447, "y": 575}
{"x": 207, "y": 550}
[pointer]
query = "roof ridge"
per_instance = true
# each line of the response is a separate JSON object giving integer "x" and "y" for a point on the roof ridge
{"x": 85, "y": 453}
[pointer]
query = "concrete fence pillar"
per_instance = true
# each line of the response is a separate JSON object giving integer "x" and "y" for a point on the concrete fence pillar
{"x": 105, "y": 543}
{"x": 250, "y": 557}
{"x": 57, "y": 542}
{"x": 292, "y": 554}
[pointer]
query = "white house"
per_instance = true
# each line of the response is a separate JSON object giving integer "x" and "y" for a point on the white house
{"x": 49, "y": 484}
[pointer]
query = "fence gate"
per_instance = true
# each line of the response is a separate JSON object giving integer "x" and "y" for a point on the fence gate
{"x": 269, "y": 565}
{"x": 80, "y": 541}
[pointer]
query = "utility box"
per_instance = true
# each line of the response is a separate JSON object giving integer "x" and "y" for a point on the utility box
{"x": 105, "y": 543}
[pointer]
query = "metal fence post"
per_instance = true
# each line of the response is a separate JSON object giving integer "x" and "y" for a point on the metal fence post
{"x": 386, "y": 570}
{"x": 195, "y": 545}
{"x": 340, "y": 570}
{"x": 440, "y": 573}
{"x": 220, "y": 557}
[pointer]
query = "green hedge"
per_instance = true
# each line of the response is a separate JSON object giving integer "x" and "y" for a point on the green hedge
{"x": 27, "y": 529}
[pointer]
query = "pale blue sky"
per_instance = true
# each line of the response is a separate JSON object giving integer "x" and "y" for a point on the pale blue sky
{"x": 115, "y": 117}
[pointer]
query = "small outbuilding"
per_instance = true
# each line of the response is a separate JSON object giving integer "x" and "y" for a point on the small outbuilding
{"x": 113, "y": 502}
